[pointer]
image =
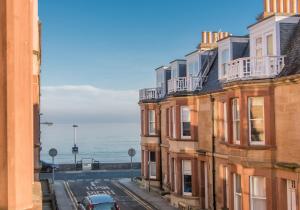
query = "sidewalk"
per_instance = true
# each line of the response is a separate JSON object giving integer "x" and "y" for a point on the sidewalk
{"x": 62, "y": 198}
{"x": 152, "y": 198}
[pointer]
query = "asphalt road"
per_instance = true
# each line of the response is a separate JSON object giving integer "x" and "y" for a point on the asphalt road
{"x": 123, "y": 197}
{"x": 91, "y": 175}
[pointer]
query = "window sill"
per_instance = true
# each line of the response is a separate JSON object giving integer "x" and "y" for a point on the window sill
{"x": 184, "y": 140}
{"x": 249, "y": 147}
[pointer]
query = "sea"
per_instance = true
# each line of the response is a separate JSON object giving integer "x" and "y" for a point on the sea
{"x": 103, "y": 142}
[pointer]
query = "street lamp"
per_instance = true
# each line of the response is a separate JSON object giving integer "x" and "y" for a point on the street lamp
{"x": 75, "y": 148}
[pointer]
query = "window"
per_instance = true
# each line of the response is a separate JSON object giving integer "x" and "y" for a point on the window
{"x": 236, "y": 120}
{"x": 187, "y": 177}
{"x": 224, "y": 61}
{"x": 237, "y": 190}
{"x": 256, "y": 120}
{"x": 152, "y": 166}
{"x": 145, "y": 163}
{"x": 291, "y": 195}
{"x": 142, "y": 122}
{"x": 270, "y": 47}
{"x": 258, "y": 193}
{"x": 174, "y": 122}
{"x": 225, "y": 127}
{"x": 225, "y": 187}
{"x": 185, "y": 122}
{"x": 258, "y": 47}
{"x": 167, "y": 122}
{"x": 151, "y": 128}
{"x": 175, "y": 175}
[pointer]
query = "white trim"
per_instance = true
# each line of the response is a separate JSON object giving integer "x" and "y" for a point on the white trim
{"x": 291, "y": 195}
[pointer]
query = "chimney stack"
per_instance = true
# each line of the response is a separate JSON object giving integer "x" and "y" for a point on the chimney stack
{"x": 286, "y": 7}
{"x": 210, "y": 39}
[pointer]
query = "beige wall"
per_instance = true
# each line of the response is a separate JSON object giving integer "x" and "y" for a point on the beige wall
{"x": 16, "y": 103}
{"x": 287, "y": 115}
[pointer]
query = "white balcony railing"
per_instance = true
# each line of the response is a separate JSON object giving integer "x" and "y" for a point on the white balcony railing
{"x": 151, "y": 93}
{"x": 254, "y": 68}
{"x": 181, "y": 84}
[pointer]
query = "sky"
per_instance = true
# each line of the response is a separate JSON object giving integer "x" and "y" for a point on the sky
{"x": 97, "y": 54}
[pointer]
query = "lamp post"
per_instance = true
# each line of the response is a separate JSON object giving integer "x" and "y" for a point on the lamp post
{"x": 75, "y": 148}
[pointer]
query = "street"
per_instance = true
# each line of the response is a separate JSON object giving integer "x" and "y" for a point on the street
{"x": 79, "y": 184}
{"x": 125, "y": 199}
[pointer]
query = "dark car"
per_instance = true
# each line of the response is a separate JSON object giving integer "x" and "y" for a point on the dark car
{"x": 47, "y": 167}
{"x": 98, "y": 202}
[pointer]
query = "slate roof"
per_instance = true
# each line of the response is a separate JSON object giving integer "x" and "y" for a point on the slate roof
{"x": 293, "y": 56}
{"x": 212, "y": 83}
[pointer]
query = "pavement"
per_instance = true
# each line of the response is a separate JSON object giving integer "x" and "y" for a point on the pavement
{"x": 152, "y": 197}
{"x": 63, "y": 198}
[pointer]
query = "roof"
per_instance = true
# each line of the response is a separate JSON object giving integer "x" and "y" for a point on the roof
{"x": 293, "y": 55}
{"x": 177, "y": 60}
{"x": 212, "y": 83}
{"x": 100, "y": 198}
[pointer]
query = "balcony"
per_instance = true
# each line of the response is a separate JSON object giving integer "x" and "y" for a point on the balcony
{"x": 151, "y": 94}
{"x": 184, "y": 84}
{"x": 254, "y": 68}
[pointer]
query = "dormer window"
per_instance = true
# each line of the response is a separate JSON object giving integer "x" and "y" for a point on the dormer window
{"x": 258, "y": 47}
{"x": 225, "y": 58}
{"x": 270, "y": 46}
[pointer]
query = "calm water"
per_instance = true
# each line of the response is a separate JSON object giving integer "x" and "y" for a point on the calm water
{"x": 103, "y": 142}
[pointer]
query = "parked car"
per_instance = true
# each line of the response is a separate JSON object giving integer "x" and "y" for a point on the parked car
{"x": 47, "y": 167}
{"x": 98, "y": 202}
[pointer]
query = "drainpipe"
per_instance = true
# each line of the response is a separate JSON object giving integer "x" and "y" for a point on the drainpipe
{"x": 159, "y": 141}
{"x": 212, "y": 100}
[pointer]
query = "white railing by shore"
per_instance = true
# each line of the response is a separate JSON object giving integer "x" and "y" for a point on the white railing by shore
{"x": 181, "y": 84}
{"x": 150, "y": 93}
{"x": 254, "y": 68}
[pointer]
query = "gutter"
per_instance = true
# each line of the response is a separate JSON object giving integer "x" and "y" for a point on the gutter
{"x": 212, "y": 100}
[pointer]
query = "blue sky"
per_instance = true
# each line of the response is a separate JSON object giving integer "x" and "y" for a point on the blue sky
{"x": 98, "y": 53}
{"x": 117, "y": 44}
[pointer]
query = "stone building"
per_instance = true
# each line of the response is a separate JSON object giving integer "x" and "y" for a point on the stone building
{"x": 219, "y": 131}
{"x": 20, "y": 55}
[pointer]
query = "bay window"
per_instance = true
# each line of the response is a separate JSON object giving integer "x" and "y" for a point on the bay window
{"x": 151, "y": 123}
{"x": 235, "y": 103}
{"x": 152, "y": 165}
{"x": 185, "y": 122}
{"x": 256, "y": 120}
{"x": 187, "y": 177}
{"x": 258, "y": 199}
{"x": 237, "y": 192}
{"x": 291, "y": 195}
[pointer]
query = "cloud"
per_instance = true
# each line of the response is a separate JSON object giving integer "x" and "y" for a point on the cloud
{"x": 88, "y": 104}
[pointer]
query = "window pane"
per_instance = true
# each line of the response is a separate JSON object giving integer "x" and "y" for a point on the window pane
{"x": 236, "y": 119}
{"x": 152, "y": 157}
{"x": 256, "y": 119}
{"x": 185, "y": 121}
{"x": 187, "y": 166}
{"x": 238, "y": 202}
{"x": 186, "y": 129}
{"x": 270, "y": 45}
{"x": 238, "y": 188}
{"x": 187, "y": 183}
{"x": 258, "y": 186}
{"x": 259, "y": 204}
{"x": 185, "y": 114}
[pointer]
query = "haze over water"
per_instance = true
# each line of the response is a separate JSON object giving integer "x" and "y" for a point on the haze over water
{"x": 104, "y": 142}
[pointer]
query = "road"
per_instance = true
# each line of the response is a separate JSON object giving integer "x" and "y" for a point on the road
{"x": 79, "y": 184}
{"x": 125, "y": 199}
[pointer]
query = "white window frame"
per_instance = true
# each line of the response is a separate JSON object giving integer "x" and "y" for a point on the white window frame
{"x": 252, "y": 196}
{"x": 237, "y": 194}
{"x": 150, "y": 112}
{"x": 249, "y": 123}
{"x": 291, "y": 194}
{"x": 225, "y": 123}
{"x": 151, "y": 163}
{"x": 182, "y": 108}
{"x": 235, "y": 103}
{"x": 188, "y": 173}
